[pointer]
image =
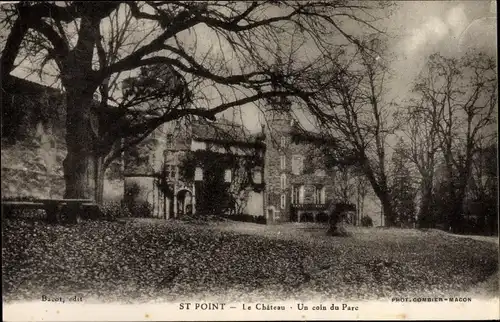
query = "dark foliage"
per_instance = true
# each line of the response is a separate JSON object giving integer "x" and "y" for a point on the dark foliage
{"x": 366, "y": 221}
{"x": 214, "y": 164}
{"x": 402, "y": 190}
{"x": 141, "y": 209}
{"x": 248, "y": 218}
{"x": 338, "y": 216}
{"x": 115, "y": 209}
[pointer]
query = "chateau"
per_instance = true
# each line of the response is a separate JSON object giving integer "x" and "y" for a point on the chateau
{"x": 296, "y": 185}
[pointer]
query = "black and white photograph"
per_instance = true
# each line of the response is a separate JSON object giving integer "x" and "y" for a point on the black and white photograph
{"x": 249, "y": 160}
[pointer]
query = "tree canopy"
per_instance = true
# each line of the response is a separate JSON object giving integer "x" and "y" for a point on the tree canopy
{"x": 156, "y": 61}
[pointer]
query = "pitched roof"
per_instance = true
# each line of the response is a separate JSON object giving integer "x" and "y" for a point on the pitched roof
{"x": 223, "y": 131}
{"x": 22, "y": 86}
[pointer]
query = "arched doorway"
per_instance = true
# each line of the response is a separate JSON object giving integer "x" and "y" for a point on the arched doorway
{"x": 184, "y": 202}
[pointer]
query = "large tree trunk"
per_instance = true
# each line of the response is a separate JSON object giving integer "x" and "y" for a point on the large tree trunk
{"x": 389, "y": 215}
{"x": 77, "y": 175}
{"x": 425, "y": 217}
{"x": 77, "y": 78}
{"x": 383, "y": 194}
{"x": 79, "y": 162}
{"x": 99, "y": 180}
{"x": 457, "y": 207}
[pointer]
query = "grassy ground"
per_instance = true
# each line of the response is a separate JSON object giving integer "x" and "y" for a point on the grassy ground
{"x": 144, "y": 260}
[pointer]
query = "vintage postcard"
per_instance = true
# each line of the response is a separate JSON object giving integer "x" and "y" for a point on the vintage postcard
{"x": 249, "y": 160}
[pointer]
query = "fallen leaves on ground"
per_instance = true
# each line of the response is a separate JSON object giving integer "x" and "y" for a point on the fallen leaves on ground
{"x": 135, "y": 261}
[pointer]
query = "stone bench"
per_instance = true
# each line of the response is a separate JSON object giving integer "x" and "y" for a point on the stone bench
{"x": 57, "y": 210}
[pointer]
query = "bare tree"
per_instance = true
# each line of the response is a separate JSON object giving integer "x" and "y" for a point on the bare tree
{"x": 362, "y": 186}
{"x": 459, "y": 98}
{"x": 89, "y": 56}
{"x": 482, "y": 195}
{"x": 421, "y": 146}
{"x": 345, "y": 184}
{"x": 354, "y": 112}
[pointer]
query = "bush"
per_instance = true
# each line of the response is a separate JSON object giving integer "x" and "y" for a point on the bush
{"x": 248, "y": 218}
{"x": 141, "y": 210}
{"x": 306, "y": 217}
{"x": 115, "y": 209}
{"x": 322, "y": 217}
{"x": 261, "y": 220}
{"x": 366, "y": 221}
{"x": 132, "y": 190}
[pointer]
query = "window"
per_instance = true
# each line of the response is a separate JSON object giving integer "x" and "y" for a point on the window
{"x": 170, "y": 141}
{"x": 198, "y": 174}
{"x": 197, "y": 145}
{"x": 317, "y": 194}
{"x": 227, "y": 175}
{"x": 320, "y": 195}
{"x": 170, "y": 171}
{"x": 283, "y": 162}
{"x": 283, "y": 201}
{"x": 297, "y": 164}
{"x": 257, "y": 176}
{"x": 270, "y": 214}
{"x": 298, "y": 194}
{"x": 295, "y": 194}
{"x": 283, "y": 142}
{"x": 283, "y": 181}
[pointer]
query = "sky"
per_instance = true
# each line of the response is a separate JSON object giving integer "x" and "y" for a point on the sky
{"x": 419, "y": 28}
{"x": 415, "y": 29}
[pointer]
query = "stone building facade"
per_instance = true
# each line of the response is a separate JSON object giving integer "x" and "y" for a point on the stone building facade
{"x": 158, "y": 160}
{"x": 298, "y": 186}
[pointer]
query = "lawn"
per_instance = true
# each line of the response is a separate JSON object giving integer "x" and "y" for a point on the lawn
{"x": 147, "y": 260}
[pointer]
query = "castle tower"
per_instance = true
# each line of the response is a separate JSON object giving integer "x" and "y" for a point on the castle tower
{"x": 278, "y": 124}
{"x": 297, "y": 182}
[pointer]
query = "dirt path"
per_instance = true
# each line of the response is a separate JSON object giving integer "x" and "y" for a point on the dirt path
{"x": 489, "y": 287}
{"x": 490, "y": 239}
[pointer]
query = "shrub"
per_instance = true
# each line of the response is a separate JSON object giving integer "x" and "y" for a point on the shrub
{"x": 132, "y": 190}
{"x": 366, "y": 221}
{"x": 141, "y": 209}
{"x": 115, "y": 209}
{"x": 261, "y": 220}
{"x": 306, "y": 217}
{"x": 248, "y": 218}
{"x": 322, "y": 217}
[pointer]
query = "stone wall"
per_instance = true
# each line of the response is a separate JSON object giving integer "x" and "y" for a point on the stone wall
{"x": 254, "y": 204}
{"x": 34, "y": 147}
